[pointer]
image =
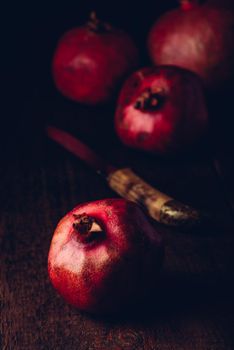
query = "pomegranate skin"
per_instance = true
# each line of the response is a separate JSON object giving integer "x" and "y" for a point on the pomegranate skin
{"x": 198, "y": 38}
{"x": 88, "y": 65}
{"x": 114, "y": 270}
{"x": 177, "y": 121}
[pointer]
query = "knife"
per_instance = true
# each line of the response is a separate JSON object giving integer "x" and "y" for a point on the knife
{"x": 127, "y": 184}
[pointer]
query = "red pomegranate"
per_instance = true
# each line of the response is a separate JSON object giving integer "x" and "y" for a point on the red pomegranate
{"x": 162, "y": 110}
{"x": 104, "y": 256}
{"x": 198, "y": 37}
{"x": 92, "y": 60}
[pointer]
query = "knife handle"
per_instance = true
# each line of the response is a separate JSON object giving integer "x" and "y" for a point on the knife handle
{"x": 159, "y": 206}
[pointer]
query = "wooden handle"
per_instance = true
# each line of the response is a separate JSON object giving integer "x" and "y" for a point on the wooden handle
{"x": 159, "y": 206}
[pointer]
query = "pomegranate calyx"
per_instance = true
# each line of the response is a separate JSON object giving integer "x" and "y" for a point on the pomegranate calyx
{"x": 86, "y": 227}
{"x": 97, "y": 26}
{"x": 150, "y": 99}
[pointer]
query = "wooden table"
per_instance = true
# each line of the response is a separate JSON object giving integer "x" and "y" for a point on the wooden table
{"x": 40, "y": 182}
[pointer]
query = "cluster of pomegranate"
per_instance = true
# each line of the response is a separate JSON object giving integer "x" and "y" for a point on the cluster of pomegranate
{"x": 162, "y": 109}
{"x": 106, "y": 254}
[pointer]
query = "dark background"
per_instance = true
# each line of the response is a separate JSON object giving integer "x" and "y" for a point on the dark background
{"x": 40, "y": 182}
{"x": 30, "y": 34}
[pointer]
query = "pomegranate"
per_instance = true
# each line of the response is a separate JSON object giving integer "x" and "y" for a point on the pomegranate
{"x": 92, "y": 60}
{"x": 161, "y": 110}
{"x": 198, "y": 37}
{"x": 104, "y": 255}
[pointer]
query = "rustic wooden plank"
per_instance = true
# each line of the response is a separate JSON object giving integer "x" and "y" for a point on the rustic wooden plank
{"x": 195, "y": 294}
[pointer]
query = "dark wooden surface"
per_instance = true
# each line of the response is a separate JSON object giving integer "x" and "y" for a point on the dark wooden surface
{"x": 40, "y": 182}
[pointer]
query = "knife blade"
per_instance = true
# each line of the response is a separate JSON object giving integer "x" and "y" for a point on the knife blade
{"x": 127, "y": 184}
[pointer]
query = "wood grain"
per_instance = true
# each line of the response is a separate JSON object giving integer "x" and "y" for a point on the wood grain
{"x": 192, "y": 309}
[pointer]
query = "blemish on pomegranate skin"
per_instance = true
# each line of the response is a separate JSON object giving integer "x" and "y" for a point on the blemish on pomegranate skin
{"x": 109, "y": 212}
{"x": 137, "y": 105}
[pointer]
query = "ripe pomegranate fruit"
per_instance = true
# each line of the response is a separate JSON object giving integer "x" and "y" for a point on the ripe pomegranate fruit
{"x": 104, "y": 255}
{"x": 92, "y": 60}
{"x": 198, "y": 37}
{"x": 161, "y": 110}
